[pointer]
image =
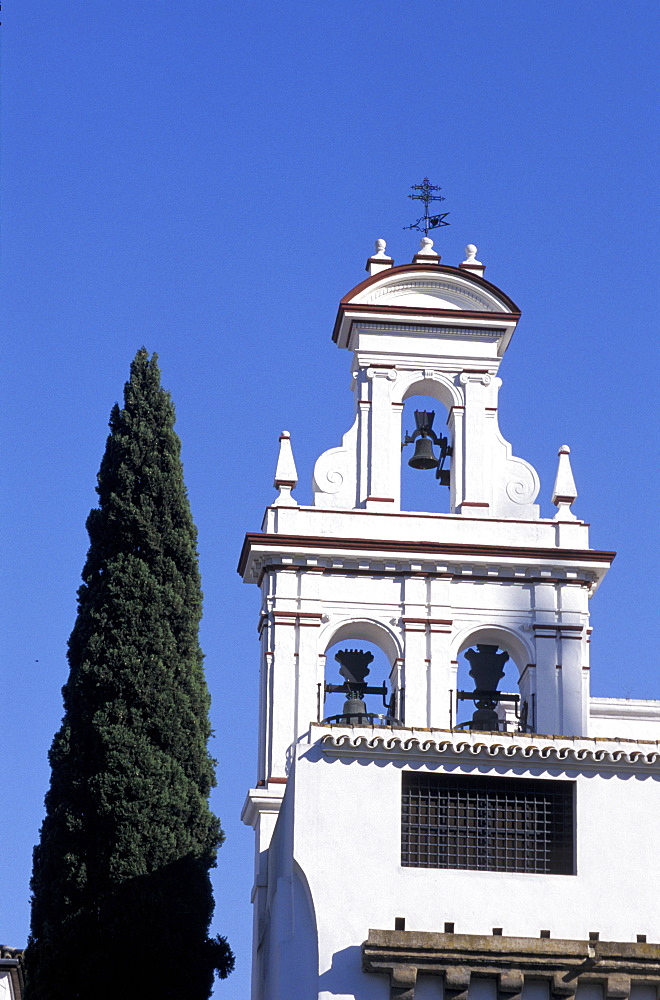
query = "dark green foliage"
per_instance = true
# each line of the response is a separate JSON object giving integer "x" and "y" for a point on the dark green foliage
{"x": 121, "y": 890}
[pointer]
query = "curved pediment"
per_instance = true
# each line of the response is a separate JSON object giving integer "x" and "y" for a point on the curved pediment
{"x": 435, "y": 287}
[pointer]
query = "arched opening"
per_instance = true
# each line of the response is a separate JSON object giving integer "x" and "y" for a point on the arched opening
{"x": 361, "y": 669}
{"x": 494, "y": 687}
{"x": 425, "y": 484}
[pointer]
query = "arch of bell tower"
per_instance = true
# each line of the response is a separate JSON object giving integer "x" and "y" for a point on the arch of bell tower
{"x": 510, "y": 640}
{"x": 435, "y": 384}
{"x": 361, "y": 630}
{"x": 519, "y": 644}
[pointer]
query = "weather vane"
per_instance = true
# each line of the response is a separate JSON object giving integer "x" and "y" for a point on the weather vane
{"x": 427, "y": 221}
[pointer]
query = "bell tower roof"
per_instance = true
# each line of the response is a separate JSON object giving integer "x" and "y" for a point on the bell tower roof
{"x": 454, "y": 300}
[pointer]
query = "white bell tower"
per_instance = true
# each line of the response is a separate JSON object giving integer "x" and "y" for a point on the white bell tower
{"x": 367, "y": 793}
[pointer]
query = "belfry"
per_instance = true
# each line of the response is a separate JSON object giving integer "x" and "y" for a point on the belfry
{"x": 441, "y": 808}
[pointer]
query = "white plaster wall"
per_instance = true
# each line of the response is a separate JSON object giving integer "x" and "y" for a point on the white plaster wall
{"x": 418, "y": 526}
{"x": 427, "y": 620}
{"x": 624, "y": 718}
{"x": 347, "y": 839}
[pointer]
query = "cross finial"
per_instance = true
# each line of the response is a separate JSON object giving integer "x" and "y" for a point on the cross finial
{"x": 426, "y": 196}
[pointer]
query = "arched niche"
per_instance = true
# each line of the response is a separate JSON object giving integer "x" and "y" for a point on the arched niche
{"x": 361, "y": 630}
{"x": 495, "y": 635}
{"x": 362, "y": 633}
{"x": 419, "y": 488}
{"x": 516, "y": 675}
{"x": 437, "y": 385}
{"x": 305, "y": 962}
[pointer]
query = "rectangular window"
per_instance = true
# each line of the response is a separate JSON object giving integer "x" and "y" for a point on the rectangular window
{"x": 487, "y": 824}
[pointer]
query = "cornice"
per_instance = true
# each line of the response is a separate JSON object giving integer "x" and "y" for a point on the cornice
{"x": 420, "y": 550}
{"x": 259, "y": 801}
{"x": 566, "y": 965}
{"x": 645, "y": 710}
{"x": 385, "y": 276}
{"x": 406, "y": 746}
{"x": 485, "y": 332}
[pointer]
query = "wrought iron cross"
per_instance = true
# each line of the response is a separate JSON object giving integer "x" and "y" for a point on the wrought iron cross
{"x": 427, "y": 221}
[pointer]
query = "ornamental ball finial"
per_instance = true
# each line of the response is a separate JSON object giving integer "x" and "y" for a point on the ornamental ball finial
{"x": 380, "y": 246}
{"x": 471, "y": 256}
{"x": 426, "y": 244}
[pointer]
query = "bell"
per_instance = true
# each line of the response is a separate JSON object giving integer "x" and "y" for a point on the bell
{"x": 424, "y": 457}
{"x": 486, "y": 666}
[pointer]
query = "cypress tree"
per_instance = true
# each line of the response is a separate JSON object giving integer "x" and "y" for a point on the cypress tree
{"x": 122, "y": 899}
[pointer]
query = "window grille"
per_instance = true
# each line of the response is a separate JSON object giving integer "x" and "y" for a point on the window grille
{"x": 487, "y": 824}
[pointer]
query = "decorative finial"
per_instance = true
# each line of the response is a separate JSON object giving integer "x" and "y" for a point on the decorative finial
{"x": 564, "y": 492}
{"x": 380, "y": 261}
{"x": 286, "y": 475}
{"x": 426, "y": 254}
{"x": 471, "y": 263}
{"x": 427, "y": 221}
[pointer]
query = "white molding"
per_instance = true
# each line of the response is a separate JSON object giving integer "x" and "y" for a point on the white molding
{"x": 260, "y": 801}
{"x": 643, "y": 710}
{"x": 453, "y": 747}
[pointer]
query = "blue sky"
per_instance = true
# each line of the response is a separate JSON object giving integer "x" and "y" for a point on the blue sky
{"x": 207, "y": 179}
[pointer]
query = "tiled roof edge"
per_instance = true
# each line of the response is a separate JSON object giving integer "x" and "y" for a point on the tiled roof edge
{"x": 559, "y": 750}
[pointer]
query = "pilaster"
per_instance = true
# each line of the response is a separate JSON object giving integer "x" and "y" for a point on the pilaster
{"x": 414, "y": 621}
{"x": 477, "y": 448}
{"x": 381, "y": 492}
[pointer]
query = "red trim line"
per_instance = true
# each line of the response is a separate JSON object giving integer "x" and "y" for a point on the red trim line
{"x": 297, "y": 614}
{"x": 557, "y": 626}
{"x": 361, "y": 512}
{"x": 277, "y": 781}
{"x": 434, "y": 549}
{"x": 429, "y": 621}
{"x": 409, "y": 311}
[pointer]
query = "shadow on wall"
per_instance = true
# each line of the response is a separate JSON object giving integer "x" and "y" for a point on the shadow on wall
{"x": 341, "y": 979}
